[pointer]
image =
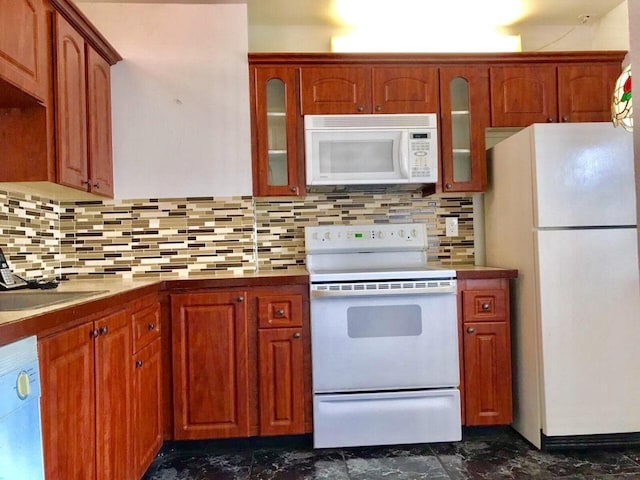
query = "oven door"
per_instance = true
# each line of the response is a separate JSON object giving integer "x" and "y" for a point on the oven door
{"x": 384, "y": 341}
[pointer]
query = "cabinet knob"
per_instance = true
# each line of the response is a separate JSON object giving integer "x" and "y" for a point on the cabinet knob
{"x": 94, "y": 333}
{"x": 151, "y": 326}
{"x": 550, "y": 120}
{"x": 139, "y": 363}
{"x": 297, "y": 335}
{"x": 448, "y": 186}
{"x": 565, "y": 119}
{"x": 471, "y": 330}
{"x": 378, "y": 108}
{"x": 280, "y": 313}
{"x": 240, "y": 299}
{"x": 87, "y": 183}
{"x": 104, "y": 330}
{"x": 96, "y": 185}
{"x": 360, "y": 108}
{"x": 293, "y": 189}
{"x": 485, "y": 307}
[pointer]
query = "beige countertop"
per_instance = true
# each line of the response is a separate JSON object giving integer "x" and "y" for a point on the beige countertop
{"x": 109, "y": 292}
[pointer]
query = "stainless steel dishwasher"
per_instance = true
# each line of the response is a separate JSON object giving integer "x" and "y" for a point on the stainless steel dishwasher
{"x": 20, "y": 434}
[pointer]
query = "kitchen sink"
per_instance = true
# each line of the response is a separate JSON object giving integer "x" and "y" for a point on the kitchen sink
{"x": 28, "y": 299}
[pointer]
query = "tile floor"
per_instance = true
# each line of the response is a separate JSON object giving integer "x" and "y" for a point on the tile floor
{"x": 484, "y": 453}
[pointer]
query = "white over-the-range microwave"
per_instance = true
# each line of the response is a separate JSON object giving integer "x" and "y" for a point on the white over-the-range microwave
{"x": 371, "y": 149}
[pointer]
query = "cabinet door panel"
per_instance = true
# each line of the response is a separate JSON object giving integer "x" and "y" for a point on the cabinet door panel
{"x": 71, "y": 105}
{"x": 278, "y": 167}
{"x": 147, "y": 407}
{"x": 210, "y": 365}
{"x": 584, "y": 92}
{"x": 68, "y": 404}
{"x": 460, "y": 118}
{"x": 23, "y": 45}
{"x": 487, "y": 368}
{"x": 282, "y": 402}
{"x": 99, "y": 124}
{"x": 335, "y": 90}
{"x": 405, "y": 90}
{"x": 521, "y": 96}
{"x": 113, "y": 397}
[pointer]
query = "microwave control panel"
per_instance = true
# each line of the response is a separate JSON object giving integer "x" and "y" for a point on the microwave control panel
{"x": 423, "y": 156}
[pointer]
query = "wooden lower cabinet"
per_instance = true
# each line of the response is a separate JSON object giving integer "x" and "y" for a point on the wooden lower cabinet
{"x": 86, "y": 391}
{"x": 147, "y": 406}
{"x": 146, "y": 363}
{"x": 210, "y": 365}
{"x": 281, "y": 381}
{"x": 486, "y": 351}
{"x": 231, "y": 379}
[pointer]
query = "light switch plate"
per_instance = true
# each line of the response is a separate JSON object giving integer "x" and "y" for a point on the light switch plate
{"x": 451, "y": 226}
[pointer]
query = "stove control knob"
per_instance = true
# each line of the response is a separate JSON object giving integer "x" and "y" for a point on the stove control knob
{"x": 315, "y": 235}
{"x": 414, "y": 233}
{"x": 401, "y": 233}
{"x": 327, "y": 235}
{"x": 380, "y": 234}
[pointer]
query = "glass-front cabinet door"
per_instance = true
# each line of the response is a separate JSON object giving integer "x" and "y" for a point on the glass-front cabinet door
{"x": 275, "y": 131}
{"x": 465, "y": 114}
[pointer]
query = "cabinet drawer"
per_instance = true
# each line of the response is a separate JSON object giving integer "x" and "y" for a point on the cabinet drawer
{"x": 276, "y": 311}
{"x": 484, "y": 305}
{"x": 146, "y": 326}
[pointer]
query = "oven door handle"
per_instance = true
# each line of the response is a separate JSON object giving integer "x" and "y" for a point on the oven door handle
{"x": 374, "y": 293}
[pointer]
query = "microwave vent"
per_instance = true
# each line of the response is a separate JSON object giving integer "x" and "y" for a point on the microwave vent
{"x": 370, "y": 121}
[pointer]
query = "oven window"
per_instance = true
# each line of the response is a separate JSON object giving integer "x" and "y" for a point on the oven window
{"x": 384, "y": 321}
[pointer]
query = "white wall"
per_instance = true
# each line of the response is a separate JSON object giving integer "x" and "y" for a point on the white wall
{"x": 180, "y": 98}
{"x": 612, "y": 31}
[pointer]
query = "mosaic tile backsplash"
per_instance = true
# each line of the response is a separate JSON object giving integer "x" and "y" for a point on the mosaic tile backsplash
{"x": 198, "y": 236}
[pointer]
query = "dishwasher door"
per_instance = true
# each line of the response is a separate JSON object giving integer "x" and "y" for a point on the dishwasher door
{"x": 20, "y": 437}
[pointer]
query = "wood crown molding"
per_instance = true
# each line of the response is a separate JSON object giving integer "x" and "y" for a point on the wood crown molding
{"x": 81, "y": 23}
{"x": 443, "y": 59}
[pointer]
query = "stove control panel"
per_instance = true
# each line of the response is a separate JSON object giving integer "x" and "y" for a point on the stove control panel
{"x": 399, "y": 236}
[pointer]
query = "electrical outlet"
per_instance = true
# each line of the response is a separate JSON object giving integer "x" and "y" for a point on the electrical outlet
{"x": 451, "y": 226}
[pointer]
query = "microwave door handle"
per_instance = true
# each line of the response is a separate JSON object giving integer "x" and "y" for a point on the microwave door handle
{"x": 404, "y": 155}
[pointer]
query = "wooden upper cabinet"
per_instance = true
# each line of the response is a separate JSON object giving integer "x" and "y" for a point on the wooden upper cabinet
{"x": 100, "y": 150}
{"x": 405, "y": 89}
{"x": 210, "y": 365}
{"x": 352, "y": 89}
{"x": 464, "y": 116}
{"x": 71, "y": 106}
{"x": 24, "y": 45}
{"x": 278, "y": 162}
{"x": 335, "y": 90}
{"x": 522, "y": 95}
{"x": 584, "y": 92}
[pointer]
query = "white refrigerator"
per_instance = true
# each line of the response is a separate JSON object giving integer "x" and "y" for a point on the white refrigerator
{"x": 560, "y": 208}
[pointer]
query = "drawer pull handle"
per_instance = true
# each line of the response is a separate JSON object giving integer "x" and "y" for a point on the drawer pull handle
{"x": 485, "y": 307}
{"x": 471, "y": 330}
{"x": 297, "y": 335}
{"x": 139, "y": 363}
{"x": 280, "y": 313}
{"x": 360, "y": 108}
{"x": 240, "y": 299}
{"x": 151, "y": 326}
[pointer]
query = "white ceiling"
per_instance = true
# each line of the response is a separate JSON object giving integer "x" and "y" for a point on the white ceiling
{"x": 319, "y": 12}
